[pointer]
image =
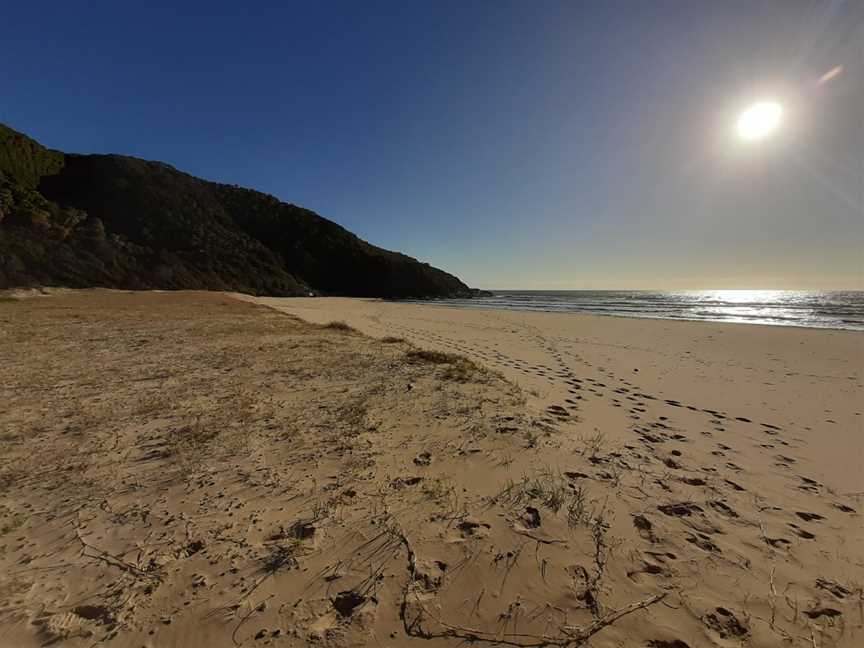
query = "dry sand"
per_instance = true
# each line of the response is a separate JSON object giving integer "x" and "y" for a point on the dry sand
{"x": 189, "y": 469}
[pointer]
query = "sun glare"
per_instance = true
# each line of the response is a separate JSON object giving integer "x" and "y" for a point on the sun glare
{"x": 759, "y": 120}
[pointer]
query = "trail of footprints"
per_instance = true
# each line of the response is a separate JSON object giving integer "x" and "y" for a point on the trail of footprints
{"x": 658, "y": 438}
{"x": 595, "y": 382}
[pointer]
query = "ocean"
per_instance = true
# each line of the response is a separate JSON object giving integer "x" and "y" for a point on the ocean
{"x": 812, "y": 309}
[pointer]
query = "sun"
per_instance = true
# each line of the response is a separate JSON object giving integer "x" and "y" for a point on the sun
{"x": 759, "y": 120}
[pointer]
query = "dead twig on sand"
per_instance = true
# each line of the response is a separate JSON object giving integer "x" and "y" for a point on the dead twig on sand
{"x": 258, "y": 608}
{"x": 111, "y": 559}
{"x": 545, "y": 541}
{"x": 569, "y": 637}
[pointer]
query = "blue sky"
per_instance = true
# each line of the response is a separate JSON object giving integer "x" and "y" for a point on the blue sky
{"x": 516, "y": 144}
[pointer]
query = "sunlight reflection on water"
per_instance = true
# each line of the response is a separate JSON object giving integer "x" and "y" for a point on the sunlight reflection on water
{"x": 813, "y": 309}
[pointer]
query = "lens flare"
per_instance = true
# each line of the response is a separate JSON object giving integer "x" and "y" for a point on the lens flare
{"x": 759, "y": 120}
{"x": 833, "y": 73}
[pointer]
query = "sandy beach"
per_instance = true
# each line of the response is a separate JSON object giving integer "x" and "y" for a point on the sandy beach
{"x": 432, "y": 325}
{"x": 806, "y": 381}
{"x": 205, "y": 469}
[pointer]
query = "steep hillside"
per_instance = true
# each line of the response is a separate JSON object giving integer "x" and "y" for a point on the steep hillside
{"x": 121, "y": 222}
{"x": 24, "y": 160}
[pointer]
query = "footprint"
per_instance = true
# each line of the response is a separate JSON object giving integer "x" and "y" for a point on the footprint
{"x": 557, "y": 410}
{"x": 423, "y": 459}
{"x": 704, "y": 542}
{"x": 401, "y": 482}
{"x": 777, "y": 542}
{"x": 346, "y": 602}
{"x": 644, "y": 526}
{"x": 647, "y": 568}
{"x": 822, "y": 611}
{"x": 693, "y": 481}
{"x": 835, "y": 588}
{"x": 531, "y": 517}
{"x": 802, "y": 533}
{"x": 470, "y": 527}
{"x": 671, "y": 463}
{"x": 725, "y": 623}
{"x": 662, "y": 557}
{"x": 723, "y": 508}
{"x": 680, "y": 509}
{"x": 576, "y": 475}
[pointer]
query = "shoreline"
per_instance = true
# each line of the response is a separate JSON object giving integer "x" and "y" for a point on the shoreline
{"x": 44, "y": 291}
{"x": 437, "y": 303}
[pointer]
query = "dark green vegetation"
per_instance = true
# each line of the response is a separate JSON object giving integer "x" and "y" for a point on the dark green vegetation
{"x": 456, "y": 367}
{"x": 434, "y": 357}
{"x": 340, "y": 326}
{"x": 120, "y": 222}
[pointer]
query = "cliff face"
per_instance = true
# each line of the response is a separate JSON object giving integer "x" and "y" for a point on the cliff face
{"x": 121, "y": 222}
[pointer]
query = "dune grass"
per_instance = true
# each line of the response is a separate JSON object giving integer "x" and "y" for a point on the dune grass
{"x": 339, "y": 325}
{"x": 435, "y": 357}
{"x": 455, "y": 367}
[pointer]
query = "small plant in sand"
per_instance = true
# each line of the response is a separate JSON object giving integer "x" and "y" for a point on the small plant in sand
{"x": 280, "y": 556}
{"x": 551, "y": 490}
{"x": 438, "y": 489}
{"x": 150, "y": 403}
{"x": 9, "y": 476}
{"x": 9, "y": 437}
{"x": 456, "y": 368}
{"x": 344, "y": 327}
{"x": 434, "y": 357}
{"x": 443, "y": 493}
{"x": 9, "y": 522}
{"x": 189, "y": 444}
{"x": 460, "y": 372}
{"x": 283, "y": 556}
{"x": 548, "y": 487}
{"x": 598, "y": 524}
{"x": 577, "y": 508}
{"x": 594, "y": 444}
{"x": 353, "y": 414}
{"x": 518, "y": 397}
{"x": 531, "y": 437}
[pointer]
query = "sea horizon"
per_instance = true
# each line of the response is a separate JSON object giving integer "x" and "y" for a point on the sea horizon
{"x": 821, "y": 309}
